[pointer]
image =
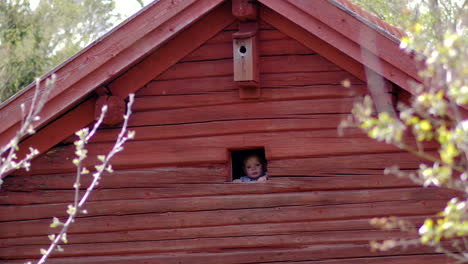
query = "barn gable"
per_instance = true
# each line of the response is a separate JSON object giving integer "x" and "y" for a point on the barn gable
{"x": 197, "y": 100}
{"x": 103, "y": 62}
{"x": 171, "y": 199}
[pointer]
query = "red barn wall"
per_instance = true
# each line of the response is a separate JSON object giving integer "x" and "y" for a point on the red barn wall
{"x": 170, "y": 201}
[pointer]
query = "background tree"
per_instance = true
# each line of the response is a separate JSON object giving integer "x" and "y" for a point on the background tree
{"x": 33, "y": 41}
{"x": 437, "y": 34}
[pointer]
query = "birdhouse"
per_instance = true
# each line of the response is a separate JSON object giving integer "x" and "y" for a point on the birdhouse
{"x": 245, "y": 50}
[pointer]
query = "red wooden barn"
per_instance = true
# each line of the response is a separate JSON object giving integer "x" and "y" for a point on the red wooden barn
{"x": 214, "y": 81}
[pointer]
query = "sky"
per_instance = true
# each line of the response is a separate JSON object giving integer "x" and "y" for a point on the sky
{"x": 129, "y": 7}
{"x": 125, "y": 7}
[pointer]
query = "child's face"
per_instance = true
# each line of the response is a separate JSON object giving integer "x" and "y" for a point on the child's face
{"x": 253, "y": 167}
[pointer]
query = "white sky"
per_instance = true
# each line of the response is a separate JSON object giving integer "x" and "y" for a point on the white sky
{"x": 129, "y": 7}
{"x": 125, "y": 7}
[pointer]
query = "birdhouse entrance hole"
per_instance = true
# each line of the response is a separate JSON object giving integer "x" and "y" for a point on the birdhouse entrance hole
{"x": 242, "y": 50}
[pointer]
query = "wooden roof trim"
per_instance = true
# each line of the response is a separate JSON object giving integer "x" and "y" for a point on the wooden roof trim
{"x": 314, "y": 43}
{"x": 379, "y": 44}
{"x": 106, "y": 59}
{"x": 179, "y": 47}
{"x": 60, "y": 129}
{"x": 184, "y": 43}
{"x": 329, "y": 52}
{"x": 372, "y": 20}
{"x": 338, "y": 29}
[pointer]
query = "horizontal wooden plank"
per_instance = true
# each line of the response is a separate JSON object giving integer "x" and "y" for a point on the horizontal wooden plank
{"x": 211, "y": 173}
{"x": 146, "y": 103}
{"x": 204, "y": 150}
{"x": 399, "y": 259}
{"x": 226, "y": 217}
{"x": 227, "y": 127}
{"x": 225, "y": 202}
{"x": 232, "y": 256}
{"x": 261, "y": 24}
{"x": 225, "y": 83}
{"x": 166, "y": 56}
{"x": 273, "y": 64}
{"x": 189, "y": 86}
{"x": 37, "y": 189}
{"x": 296, "y": 240}
{"x": 225, "y": 36}
{"x": 213, "y": 257}
{"x": 306, "y": 78}
{"x": 344, "y": 165}
{"x": 246, "y": 110}
{"x": 276, "y": 47}
{"x": 362, "y": 225}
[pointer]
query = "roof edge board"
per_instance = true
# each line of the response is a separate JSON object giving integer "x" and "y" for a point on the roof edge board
{"x": 108, "y": 47}
{"x": 314, "y": 43}
{"x": 74, "y": 56}
{"x": 363, "y": 19}
{"x": 352, "y": 28}
{"x": 86, "y": 48}
{"x": 180, "y": 46}
{"x": 331, "y": 36}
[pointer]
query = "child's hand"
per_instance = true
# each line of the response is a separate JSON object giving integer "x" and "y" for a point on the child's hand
{"x": 262, "y": 179}
{"x": 237, "y": 180}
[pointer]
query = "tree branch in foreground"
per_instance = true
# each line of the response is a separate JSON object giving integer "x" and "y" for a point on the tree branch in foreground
{"x": 81, "y": 153}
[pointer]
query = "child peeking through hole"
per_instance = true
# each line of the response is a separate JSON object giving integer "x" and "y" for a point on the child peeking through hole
{"x": 254, "y": 169}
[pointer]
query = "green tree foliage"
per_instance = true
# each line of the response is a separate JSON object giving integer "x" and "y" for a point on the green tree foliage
{"x": 437, "y": 34}
{"x": 429, "y": 19}
{"x": 33, "y": 41}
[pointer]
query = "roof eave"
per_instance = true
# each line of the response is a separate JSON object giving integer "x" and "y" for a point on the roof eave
{"x": 105, "y": 59}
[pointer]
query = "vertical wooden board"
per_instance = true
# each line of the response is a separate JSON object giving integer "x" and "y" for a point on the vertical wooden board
{"x": 244, "y": 10}
{"x": 246, "y": 59}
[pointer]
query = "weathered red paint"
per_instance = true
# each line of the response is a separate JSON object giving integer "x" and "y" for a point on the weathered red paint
{"x": 169, "y": 200}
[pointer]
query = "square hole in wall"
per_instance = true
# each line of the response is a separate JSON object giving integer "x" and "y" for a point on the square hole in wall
{"x": 239, "y": 156}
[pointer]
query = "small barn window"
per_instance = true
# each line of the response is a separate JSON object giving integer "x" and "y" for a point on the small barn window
{"x": 238, "y": 158}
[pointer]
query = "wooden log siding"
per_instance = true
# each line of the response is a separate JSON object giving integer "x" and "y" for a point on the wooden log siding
{"x": 168, "y": 200}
